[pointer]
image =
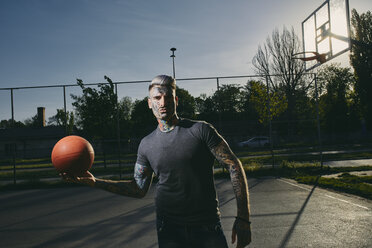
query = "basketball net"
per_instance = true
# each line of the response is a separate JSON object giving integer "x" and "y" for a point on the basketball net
{"x": 320, "y": 57}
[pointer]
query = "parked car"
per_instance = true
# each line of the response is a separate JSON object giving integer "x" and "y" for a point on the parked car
{"x": 258, "y": 141}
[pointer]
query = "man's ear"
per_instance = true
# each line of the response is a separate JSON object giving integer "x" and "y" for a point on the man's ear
{"x": 149, "y": 103}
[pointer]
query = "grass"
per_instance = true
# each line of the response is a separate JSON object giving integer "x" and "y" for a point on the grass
{"x": 303, "y": 172}
{"x": 310, "y": 173}
{"x": 47, "y": 163}
{"x": 279, "y": 158}
{"x": 7, "y": 164}
{"x": 353, "y": 185}
{"x": 52, "y": 173}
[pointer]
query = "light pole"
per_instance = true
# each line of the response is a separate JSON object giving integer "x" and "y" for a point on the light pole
{"x": 173, "y": 56}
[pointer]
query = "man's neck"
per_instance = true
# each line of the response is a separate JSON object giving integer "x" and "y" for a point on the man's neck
{"x": 168, "y": 125}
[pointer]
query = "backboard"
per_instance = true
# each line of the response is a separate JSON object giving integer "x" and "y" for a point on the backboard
{"x": 326, "y": 31}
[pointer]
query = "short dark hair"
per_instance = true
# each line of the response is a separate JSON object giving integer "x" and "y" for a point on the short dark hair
{"x": 163, "y": 80}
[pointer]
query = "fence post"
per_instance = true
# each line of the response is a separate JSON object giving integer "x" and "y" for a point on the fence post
{"x": 65, "y": 109}
{"x": 219, "y": 114}
{"x": 219, "y": 108}
{"x": 118, "y": 127}
{"x": 269, "y": 117}
{"x": 318, "y": 121}
{"x": 13, "y": 145}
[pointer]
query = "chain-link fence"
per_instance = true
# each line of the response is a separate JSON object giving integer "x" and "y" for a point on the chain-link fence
{"x": 260, "y": 117}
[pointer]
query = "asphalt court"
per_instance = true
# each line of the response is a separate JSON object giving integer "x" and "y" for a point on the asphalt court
{"x": 283, "y": 214}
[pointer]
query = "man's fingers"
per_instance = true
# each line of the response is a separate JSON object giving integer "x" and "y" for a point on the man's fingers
{"x": 66, "y": 177}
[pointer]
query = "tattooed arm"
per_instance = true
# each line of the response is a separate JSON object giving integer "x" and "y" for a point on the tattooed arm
{"x": 241, "y": 228}
{"x": 137, "y": 187}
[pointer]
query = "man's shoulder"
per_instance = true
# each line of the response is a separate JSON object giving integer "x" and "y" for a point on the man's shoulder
{"x": 203, "y": 131}
{"x": 198, "y": 128}
{"x": 193, "y": 123}
{"x": 148, "y": 137}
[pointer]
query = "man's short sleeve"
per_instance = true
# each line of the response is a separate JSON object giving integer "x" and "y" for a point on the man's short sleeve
{"x": 210, "y": 135}
{"x": 141, "y": 158}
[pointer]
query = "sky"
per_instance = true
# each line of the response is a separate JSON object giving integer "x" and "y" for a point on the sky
{"x": 54, "y": 42}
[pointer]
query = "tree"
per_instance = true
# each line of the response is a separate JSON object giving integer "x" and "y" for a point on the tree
{"x": 247, "y": 105}
{"x": 361, "y": 60}
{"x": 335, "y": 102}
{"x": 225, "y": 103}
{"x": 186, "y": 104}
{"x": 142, "y": 118}
{"x": 10, "y": 124}
{"x": 259, "y": 99}
{"x": 274, "y": 62}
{"x": 125, "y": 108}
{"x": 32, "y": 121}
{"x": 61, "y": 119}
{"x": 228, "y": 98}
{"x": 97, "y": 110}
{"x": 206, "y": 108}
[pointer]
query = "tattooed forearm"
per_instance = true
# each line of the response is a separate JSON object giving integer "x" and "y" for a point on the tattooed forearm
{"x": 137, "y": 187}
{"x": 226, "y": 157}
{"x": 143, "y": 177}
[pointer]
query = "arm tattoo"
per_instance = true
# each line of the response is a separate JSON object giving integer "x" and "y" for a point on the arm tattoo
{"x": 226, "y": 157}
{"x": 137, "y": 187}
{"x": 142, "y": 176}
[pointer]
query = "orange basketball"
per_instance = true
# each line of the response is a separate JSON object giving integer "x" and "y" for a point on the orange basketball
{"x": 73, "y": 154}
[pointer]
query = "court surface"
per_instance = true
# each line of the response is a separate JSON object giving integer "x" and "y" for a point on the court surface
{"x": 284, "y": 214}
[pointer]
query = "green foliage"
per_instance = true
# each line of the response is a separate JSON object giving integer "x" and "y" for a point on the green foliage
{"x": 344, "y": 185}
{"x": 262, "y": 99}
{"x": 226, "y": 102}
{"x": 125, "y": 108}
{"x": 98, "y": 110}
{"x": 31, "y": 122}
{"x": 61, "y": 119}
{"x": 361, "y": 60}
{"x": 95, "y": 109}
{"x": 186, "y": 104}
{"x": 335, "y": 103}
{"x": 204, "y": 105}
{"x": 235, "y": 102}
{"x": 346, "y": 177}
{"x": 142, "y": 118}
{"x": 227, "y": 98}
{"x": 10, "y": 124}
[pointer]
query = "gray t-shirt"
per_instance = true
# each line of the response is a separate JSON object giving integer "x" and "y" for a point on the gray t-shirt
{"x": 183, "y": 163}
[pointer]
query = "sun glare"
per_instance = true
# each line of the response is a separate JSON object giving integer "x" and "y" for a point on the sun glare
{"x": 326, "y": 30}
{"x": 339, "y": 26}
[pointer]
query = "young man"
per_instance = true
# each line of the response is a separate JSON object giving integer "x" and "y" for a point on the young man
{"x": 181, "y": 154}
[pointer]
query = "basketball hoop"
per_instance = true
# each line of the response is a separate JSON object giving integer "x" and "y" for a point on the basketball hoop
{"x": 320, "y": 57}
{"x": 327, "y": 32}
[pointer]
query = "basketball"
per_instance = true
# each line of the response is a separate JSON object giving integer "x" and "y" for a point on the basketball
{"x": 72, "y": 154}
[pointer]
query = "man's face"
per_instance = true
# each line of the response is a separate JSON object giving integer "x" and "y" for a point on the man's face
{"x": 163, "y": 102}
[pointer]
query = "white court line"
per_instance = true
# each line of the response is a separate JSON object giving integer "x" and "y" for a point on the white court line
{"x": 332, "y": 197}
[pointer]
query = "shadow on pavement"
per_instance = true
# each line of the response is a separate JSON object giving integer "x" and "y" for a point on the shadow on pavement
{"x": 294, "y": 224}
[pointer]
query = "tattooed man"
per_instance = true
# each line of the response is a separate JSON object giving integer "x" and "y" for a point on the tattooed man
{"x": 181, "y": 153}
